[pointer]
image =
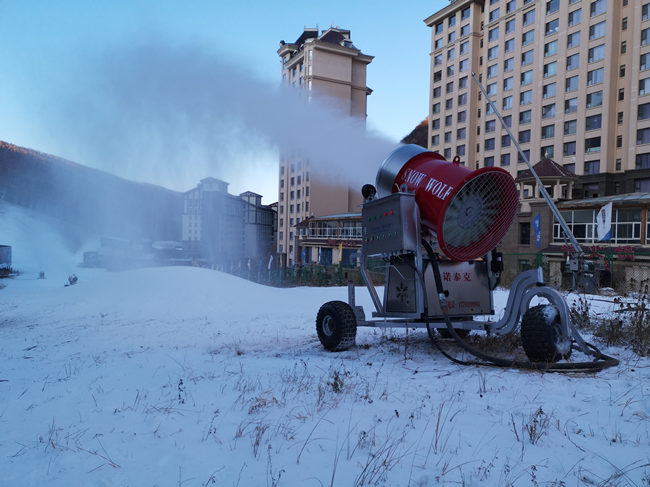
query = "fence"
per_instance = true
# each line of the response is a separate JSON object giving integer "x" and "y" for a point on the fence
{"x": 311, "y": 275}
{"x": 622, "y": 268}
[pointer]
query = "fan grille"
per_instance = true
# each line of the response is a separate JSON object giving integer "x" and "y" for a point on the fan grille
{"x": 479, "y": 215}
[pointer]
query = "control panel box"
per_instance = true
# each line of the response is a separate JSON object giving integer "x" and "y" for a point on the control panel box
{"x": 391, "y": 225}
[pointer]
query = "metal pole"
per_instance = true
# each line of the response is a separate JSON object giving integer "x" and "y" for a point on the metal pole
{"x": 558, "y": 216}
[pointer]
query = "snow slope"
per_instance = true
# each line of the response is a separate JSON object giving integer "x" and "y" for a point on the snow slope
{"x": 190, "y": 377}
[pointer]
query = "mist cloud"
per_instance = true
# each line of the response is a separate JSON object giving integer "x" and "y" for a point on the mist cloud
{"x": 171, "y": 115}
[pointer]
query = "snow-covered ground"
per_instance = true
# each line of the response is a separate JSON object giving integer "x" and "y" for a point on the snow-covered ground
{"x": 190, "y": 377}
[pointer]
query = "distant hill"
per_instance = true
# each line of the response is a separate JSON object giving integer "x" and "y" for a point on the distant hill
{"x": 94, "y": 200}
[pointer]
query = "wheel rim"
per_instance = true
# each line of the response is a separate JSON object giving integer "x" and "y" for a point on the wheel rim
{"x": 328, "y": 325}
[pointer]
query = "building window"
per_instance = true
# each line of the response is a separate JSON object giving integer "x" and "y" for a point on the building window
{"x": 508, "y": 65}
{"x": 529, "y": 17}
{"x": 527, "y": 57}
{"x": 643, "y": 136}
{"x": 597, "y": 31}
{"x": 437, "y": 60}
{"x": 510, "y": 26}
{"x": 505, "y": 159}
{"x": 507, "y": 103}
{"x": 550, "y": 69}
{"x": 509, "y": 46}
{"x": 524, "y": 233}
{"x": 548, "y": 131}
{"x": 570, "y": 127}
{"x": 437, "y": 91}
{"x": 643, "y": 112}
{"x": 464, "y": 14}
{"x": 569, "y": 149}
{"x": 571, "y": 105}
{"x": 462, "y": 116}
{"x": 598, "y": 7}
{"x": 520, "y": 158}
{"x": 447, "y": 137}
{"x": 490, "y": 125}
{"x": 621, "y": 94}
{"x": 547, "y": 152}
{"x": 594, "y": 99}
{"x": 552, "y": 27}
{"x": 550, "y": 48}
{"x": 552, "y": 6}
{"x": 573, "y": 62}
{"x": 461, "y": 133}
{"x": 619, "y": 118}
{"x": 645, "y": 61}
{"x": 621, "y": 71}
{"x": 435, "y": 123}
{"x": 524, "y": 136}
{"x": 645, "y": 12}
{"x": 548, "y": 111}
{"x": 570, "y": 167}
{"x": 511, "y": 6}
{"x": 489, "y": 144}
{"x": 451, "y": 54}
{"x": 448, "y": 120}
{"x": 505, "y": 141}
{"x": 596, "y": 54}
{"x": 492, "y": 71}
{"x": 464, "y": 30}
{"x": 624, "y": 23}
{"x": 619, "y": 141}
{"x": 493, "y": 34}
{"x": 449, "y": 103}
{"x": 527, "y": 37}
{"x": 592, "y": 167}
{"x": 438, "y": 44}
{"x": 451, "y": 37}
{"x": 644, "y": 86}
{"x": 464, "y": 48}
{"x": 573, "y": 40}
{"x": 642, "y": 161}
{"x": 593, "y": 122}
{"x": 462, "y": 99}
{"x": 462, "y": 66}
{"x": 460, "y": 150}
{"x": 451, "y": 21}
{"x": 524, "y": 117}
{"x": 526, "y": 97}
{"x": 575, "y": 17}
{"x": 526, "y": 78}
{"x": 495, "y": 14}
{"x": 592, "y": 144}
{"x": 571, "y": 84}
{"x": 596, "y": 76}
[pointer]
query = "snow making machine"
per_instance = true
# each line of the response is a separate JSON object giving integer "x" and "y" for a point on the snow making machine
{"x": 420, "y": 207}
{"x": 435, "y": 225}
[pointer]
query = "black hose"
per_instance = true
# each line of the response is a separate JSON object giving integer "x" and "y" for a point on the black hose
{"x": 600, "y": 362}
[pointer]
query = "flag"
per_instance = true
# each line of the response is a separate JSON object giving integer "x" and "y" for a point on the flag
{"x": 604, "y": 223}
{"x": 340, "y": 251}
{"x": 537, "y": 224}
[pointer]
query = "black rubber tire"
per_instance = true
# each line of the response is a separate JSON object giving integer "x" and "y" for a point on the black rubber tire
{"x": 336, "y": 326}
{"x": 444, "y": 332}
{"x": 539, "y": 332}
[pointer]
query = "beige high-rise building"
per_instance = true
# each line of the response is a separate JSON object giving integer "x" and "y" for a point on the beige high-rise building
{"x": 325, "y": 63}
{"x": 570, "y": 77}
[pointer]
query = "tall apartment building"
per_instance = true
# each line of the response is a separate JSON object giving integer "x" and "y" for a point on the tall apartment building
{"x": 570, "y": 77}
{"x": 325, "y": 64}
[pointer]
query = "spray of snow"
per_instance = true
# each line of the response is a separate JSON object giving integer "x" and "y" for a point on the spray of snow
{"x": 172, "y": 115}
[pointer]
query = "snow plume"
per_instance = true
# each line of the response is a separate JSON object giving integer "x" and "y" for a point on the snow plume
{"x": 39, "y": 244}
{"x": 173, "y": 115}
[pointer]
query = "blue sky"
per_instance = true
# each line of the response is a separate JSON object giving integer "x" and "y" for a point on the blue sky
{"x": 47, "y": 47}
